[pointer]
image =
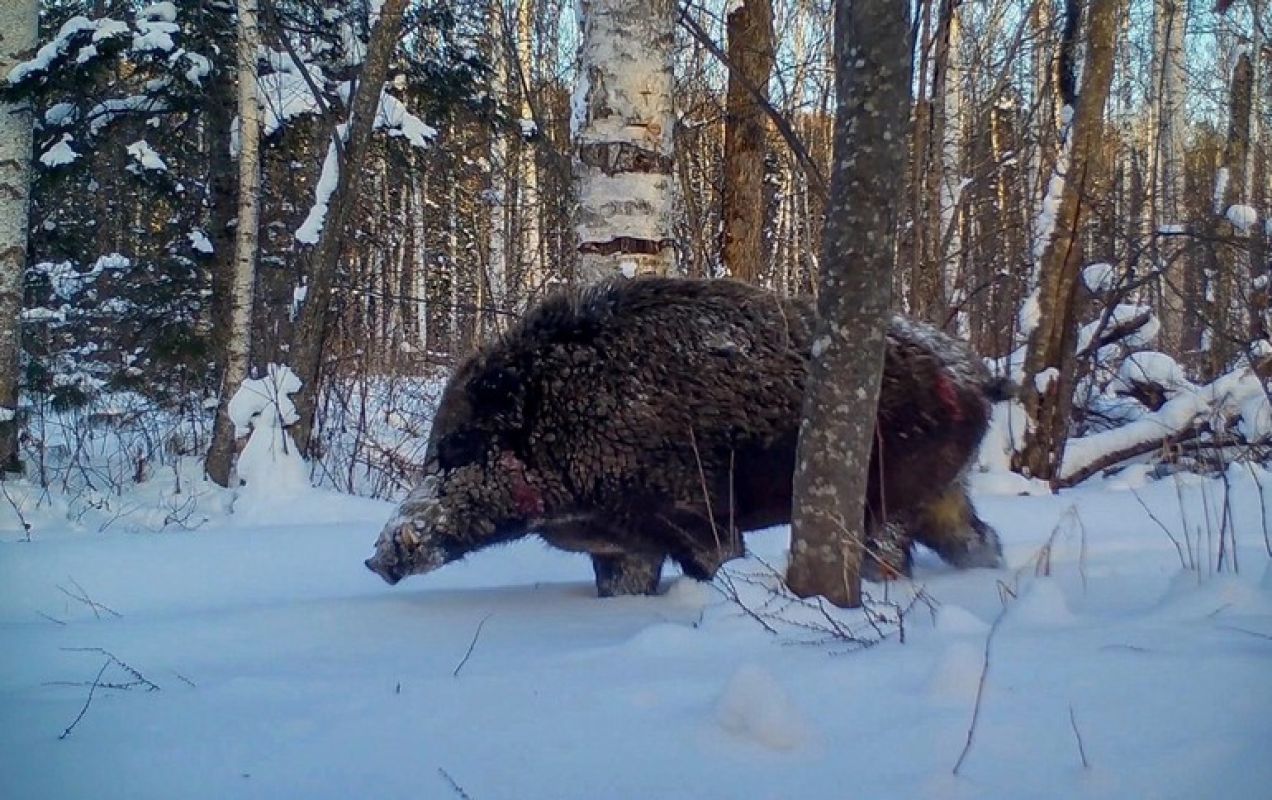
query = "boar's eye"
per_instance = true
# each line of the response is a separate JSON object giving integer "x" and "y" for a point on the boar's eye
{"x": 460, "y": 448}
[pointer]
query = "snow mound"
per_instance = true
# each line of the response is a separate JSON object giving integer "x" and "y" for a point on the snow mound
{"x": 956, "y": 674}
{"x": 688, "y": 593}
{"x": 1043, "y": 604}
{"x": 1151, "y": 366}
{"x": 754, "y": 706}
{"x": 958, "y": 621}
{"x": 270, "y": 465}
{"x": 664, "y": 639}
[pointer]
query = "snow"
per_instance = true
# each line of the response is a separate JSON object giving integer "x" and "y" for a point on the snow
{"x": 159, "y": 12}
{"x": 285, "y": 93}
{"x": 200, "y": 242}
{"x": 60, "y": 114}
{"x": 1044, "y": 379}
{"x": 156, "y": 24}
{"x": 107, "y": 111}
{"x": 1100, "y": 277}
{"x": 7, "y": 414}
{"x": 285, "y": 668}
{"x": 1030, "y": 314}
{"x": 754, "y": 706}
{"x": 1150, "y": 366}
{"x": 269, "y": 465}
{"x": 60, "y": 153}
{"x": 393, "y": 117}
{"x": 145, "y": 156}
{"x": 45, "y": 56}
{"x": 1221, "y": 188}
{"x": 1243, "y": 218}
{"x": 311, "y": 228}
{"x": 1177, "y": 415}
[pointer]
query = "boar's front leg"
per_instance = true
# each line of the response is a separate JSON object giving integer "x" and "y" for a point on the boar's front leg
{"x": 627, "y": 573}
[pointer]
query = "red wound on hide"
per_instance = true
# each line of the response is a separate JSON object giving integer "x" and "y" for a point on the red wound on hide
{"x": 525, "y": 497}
{"x": 948, "y": 396}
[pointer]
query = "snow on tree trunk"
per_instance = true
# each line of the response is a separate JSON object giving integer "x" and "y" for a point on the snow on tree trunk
{"x": 872, "y": 85}
{"x": 18, "y": 22}
{"x": 750, "y": 32}
{"x": 1052, "y": 343}
{"x": 623, "y": 124}
{"x": 238, "y": 341}
{"x": 307, "y": 341}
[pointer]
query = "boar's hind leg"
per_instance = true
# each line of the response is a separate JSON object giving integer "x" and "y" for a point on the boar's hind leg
{"x": 887, "y": 553}
{"x": 627, "y": 573}
{"x": 949, "y": 526}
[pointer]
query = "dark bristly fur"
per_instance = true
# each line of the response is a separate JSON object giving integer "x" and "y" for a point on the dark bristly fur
{"x": 657, "y": 418}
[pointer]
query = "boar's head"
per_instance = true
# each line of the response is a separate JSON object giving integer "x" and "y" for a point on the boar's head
{"x": 476, "y": 490}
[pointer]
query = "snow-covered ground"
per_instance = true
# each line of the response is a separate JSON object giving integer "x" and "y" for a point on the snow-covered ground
{"x": 286, "y": 670}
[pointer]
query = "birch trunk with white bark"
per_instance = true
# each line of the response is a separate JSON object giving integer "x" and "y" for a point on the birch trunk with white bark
{"x": 622, "y": 122}
{"x": 532, "y": 273}
{"x": 18, "y": 24}
{"x": 219, "y": 464}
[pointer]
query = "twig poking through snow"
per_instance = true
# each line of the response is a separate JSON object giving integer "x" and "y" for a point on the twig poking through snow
{"x": 1178, "y": 548}
{"x": 83, "y": 597}
{"x": 471, "y": 646}
{"x": 26, "y": 526}
{"x": 138, "y": 678}
{"x": 1246, "y": 631}
{"x": 50, "y": 619}
{"x": 980, "y": 685}
{"x": 459, "y": 790}
{"x": 87, "y": 702}
{"x": 1077, "y": 734}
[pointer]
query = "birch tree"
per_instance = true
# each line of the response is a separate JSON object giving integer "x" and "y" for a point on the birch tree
{"x": 18, "y": 24}
{"x": 750, "y": 32}
{"x": 532, "y": 272}
{"x": 872, "y": 86}
{"x": 623, "y": 126}
{"x": 1170, "y": 22}
{"x": 238, "y": 341}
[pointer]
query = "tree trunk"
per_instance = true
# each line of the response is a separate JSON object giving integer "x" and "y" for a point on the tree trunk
{"x": 533, "y": 278}
{"x": 238, "y": 340}
{"x": 872, "y": 85}
{"x": 1180, "y": 325}
{"x": 18, "y": 23}
{"x": 307, "y": 341}
{"x": 623, "y": 129}
{"x": 497, "y": 194}
{"x": 1049, "y": 360}
{"x": 750, "y": 31}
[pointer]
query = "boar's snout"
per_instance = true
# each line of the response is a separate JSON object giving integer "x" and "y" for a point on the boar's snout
{"x": 390, "y": 575}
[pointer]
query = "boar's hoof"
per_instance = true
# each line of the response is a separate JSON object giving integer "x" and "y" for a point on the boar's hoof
{"x": 627, "y": 573}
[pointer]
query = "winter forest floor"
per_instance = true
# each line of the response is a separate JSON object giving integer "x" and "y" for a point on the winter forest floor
{"x": 285, "y": 669}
